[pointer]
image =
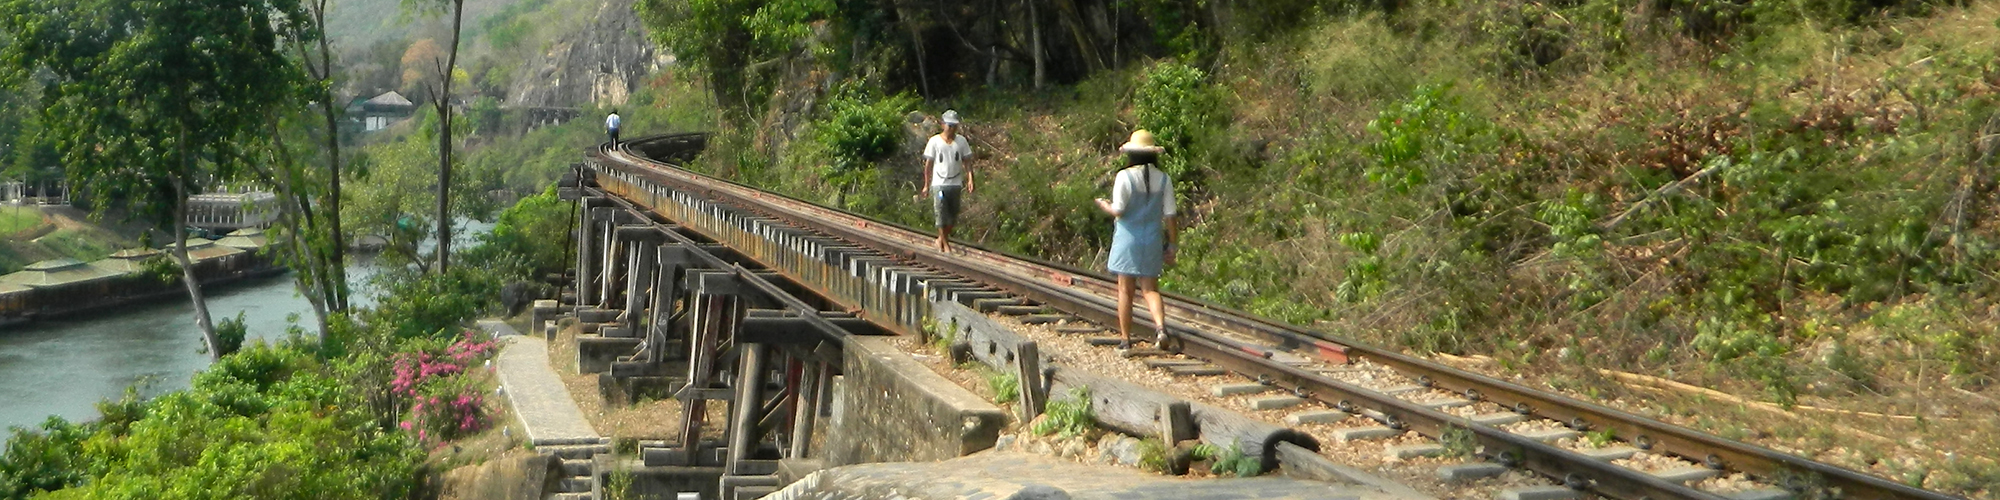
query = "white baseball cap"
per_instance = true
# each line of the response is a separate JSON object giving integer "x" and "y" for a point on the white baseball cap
{"x": 950, "y": 117}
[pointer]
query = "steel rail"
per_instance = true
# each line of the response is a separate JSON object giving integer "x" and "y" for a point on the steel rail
{"x": 1085, "y": 292}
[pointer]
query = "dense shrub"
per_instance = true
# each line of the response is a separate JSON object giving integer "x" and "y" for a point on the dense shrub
{"x": 266, "y": 422}
{"x": 45, "y": 458}
{"x": 229, "y": 334}
{"x": 535, "y": 231}
{"x": 444, "y": 403}
{"x": 860, "y": 129}
{"x": 434, "y": 304}
{"x": 1178, "y": 104}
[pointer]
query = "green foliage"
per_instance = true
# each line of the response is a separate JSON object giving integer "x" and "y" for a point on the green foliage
{"x": 1421, "y": 137}
{"x": 267, "y": 422}
{"x": 45, "y": 458}
{"x": 1154, "y": 456}
{"x": 1070, "y": 415}
{"x": 1572, "y": 226}
{"x": 1203, "y": 451}
{"x": 941, "y": 335}
{"x": 435, "y": 304}
{"x": 1184, "y": 111}
{"x": 1459, "y": 442}
{"x": 715, "y": 36}
{"x": 130, "y": 129}
{"x": 162, "y": 268}
{"x": 780, "y": 25}
{"x": 1006, "y": 386}
{"x": 1365, "y": 278}
{"x": 533, "y": 229}
{"x": 1234, "y": 461}
{"x": 1182, "y": 26}
{"x": 229, "y": 334}
{"x": 860, "y": 129}
{"x": 620, "y": 485}
{"x": 14, "y": 220}
{"x": 1601, "y": 438}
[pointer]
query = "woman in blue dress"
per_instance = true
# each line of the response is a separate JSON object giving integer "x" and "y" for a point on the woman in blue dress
{"x": 1142, "y": 200}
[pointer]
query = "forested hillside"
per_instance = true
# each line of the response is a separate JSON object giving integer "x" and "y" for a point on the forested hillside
{"x": 1787, "y": 200}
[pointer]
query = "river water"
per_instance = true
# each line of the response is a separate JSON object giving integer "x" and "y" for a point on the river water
{"x": 64, "y": 367}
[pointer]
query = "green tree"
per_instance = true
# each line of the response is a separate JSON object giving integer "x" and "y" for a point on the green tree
{"x": 334, "y": 261}
{"x": 150, "y": 100}
{"x": 392, "y": 195}
{"x": 728, "y": 38}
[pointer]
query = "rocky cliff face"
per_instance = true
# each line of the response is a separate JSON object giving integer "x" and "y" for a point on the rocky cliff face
{"x": 600, "y": 65}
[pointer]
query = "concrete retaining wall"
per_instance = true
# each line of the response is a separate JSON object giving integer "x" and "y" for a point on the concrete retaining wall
{"x": 893, "y": 408}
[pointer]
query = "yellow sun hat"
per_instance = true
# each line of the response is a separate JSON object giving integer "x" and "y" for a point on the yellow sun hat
{"x": 1141, "y": 142}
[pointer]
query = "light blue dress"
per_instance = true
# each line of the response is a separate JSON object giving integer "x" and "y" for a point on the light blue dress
{"x": 1138, "y": 247}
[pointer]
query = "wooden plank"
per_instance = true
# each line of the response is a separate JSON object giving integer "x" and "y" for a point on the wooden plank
{"x": 993, "y": 344}
{"x": 1033, "y": 389}
{"x": 1118, "y": 405}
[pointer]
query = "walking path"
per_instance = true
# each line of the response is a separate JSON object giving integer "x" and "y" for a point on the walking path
{"x": 540, "y": 401}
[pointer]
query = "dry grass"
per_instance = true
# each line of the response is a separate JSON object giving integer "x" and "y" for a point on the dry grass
{"x": 657, "y": 419}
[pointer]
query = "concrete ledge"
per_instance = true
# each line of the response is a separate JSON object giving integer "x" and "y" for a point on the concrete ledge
{"x": 595, "y": 354}
{"x": 594, "y": 315}
{"x": 663, "y": 480}
{"x": 631, "y": 390}
{"x": 892, "y": 408}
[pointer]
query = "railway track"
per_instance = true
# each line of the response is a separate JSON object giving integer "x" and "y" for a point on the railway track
{"x": 1272, "y": 353}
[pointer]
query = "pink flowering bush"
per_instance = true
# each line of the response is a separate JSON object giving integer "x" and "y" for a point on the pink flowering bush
{"x": 444, "y": 404}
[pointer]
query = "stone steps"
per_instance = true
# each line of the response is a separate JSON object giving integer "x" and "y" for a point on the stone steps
{"x": 574, "y": 485}
{"x": 570, "y": 452}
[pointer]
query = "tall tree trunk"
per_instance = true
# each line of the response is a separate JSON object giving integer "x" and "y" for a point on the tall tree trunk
{"x": 1085, "y": 44}
{"x": 201, "y": 317}
{"x": 336, "y": 299}
{"x": 917, "y": 42}
{"x": 443, "y": 101}
{"x": 1035, "y": 33}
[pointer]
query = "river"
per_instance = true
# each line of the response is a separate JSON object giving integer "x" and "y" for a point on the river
{"x": 64, "y": 367}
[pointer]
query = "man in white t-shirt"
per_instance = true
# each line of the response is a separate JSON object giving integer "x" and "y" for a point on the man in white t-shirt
{"x": 611, "y": 125}
{"x": 945, "y": 174}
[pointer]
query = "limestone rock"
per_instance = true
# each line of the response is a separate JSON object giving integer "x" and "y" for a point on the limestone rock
{"x": 1126, "y": 450}
{"x": 1039, "y": 492}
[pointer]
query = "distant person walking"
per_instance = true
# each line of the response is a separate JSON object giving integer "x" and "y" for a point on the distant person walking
{"x": 1142, "y": 200}
{"x": 611, "y": 124}
{"x": 946, "y": 174}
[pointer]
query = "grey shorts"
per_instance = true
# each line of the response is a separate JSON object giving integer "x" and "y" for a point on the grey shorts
{"x": 944, "y": 200}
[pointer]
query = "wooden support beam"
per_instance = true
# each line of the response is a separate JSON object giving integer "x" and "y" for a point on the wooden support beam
{"x": 802, "y": 410}
{"x": 749, "y": 399}
{"x": 1033, "y": 388}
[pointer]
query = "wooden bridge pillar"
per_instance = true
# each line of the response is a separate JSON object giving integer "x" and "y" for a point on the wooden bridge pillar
{"x": 590, "y": 244}
{"x": 666, "y": 293}
{"x": 745, "y": 409}
{"x": 609, "y": 261}
{"x": 715, "y": 313}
